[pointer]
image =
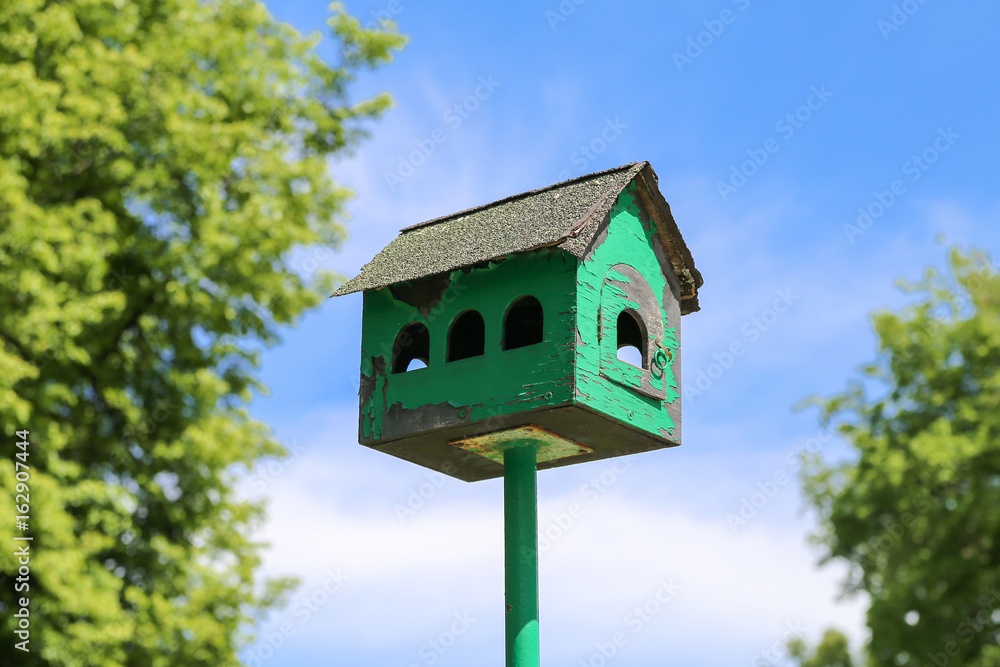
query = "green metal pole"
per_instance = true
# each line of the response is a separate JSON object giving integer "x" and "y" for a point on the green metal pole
{"x": 520, "y": 498}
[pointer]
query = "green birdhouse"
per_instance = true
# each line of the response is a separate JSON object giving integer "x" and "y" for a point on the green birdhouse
{"x": 553, "y": 315}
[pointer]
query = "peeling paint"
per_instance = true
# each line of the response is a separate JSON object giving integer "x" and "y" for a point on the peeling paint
{"x": 498, "y": 383}
{"x": 551, "y": 446}
{"x": 576, "y": 363}
{"x": 604, "y": 291}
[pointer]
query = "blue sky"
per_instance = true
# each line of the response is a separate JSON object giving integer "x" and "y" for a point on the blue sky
{"x": 772, "y": 128}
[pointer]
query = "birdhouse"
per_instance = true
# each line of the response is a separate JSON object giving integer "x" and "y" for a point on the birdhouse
{"x": 552, "y": 315}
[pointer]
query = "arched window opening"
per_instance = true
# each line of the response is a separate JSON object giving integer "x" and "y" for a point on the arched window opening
{"x": 411, "y": 348}
{"x": 523, "y": 324}
{"x": 631, "y": 339}
{"x": 467, "y": 337}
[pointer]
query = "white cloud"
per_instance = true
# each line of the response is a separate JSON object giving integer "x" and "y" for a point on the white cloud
{"x": 332, "y": 509}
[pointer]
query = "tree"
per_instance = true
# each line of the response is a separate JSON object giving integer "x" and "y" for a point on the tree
{"x": 160, "y": 160}
{"x": 916, "y": 513}
{"x": 833, "y": 651}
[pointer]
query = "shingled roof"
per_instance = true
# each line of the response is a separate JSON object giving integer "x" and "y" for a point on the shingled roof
{"x": 567, "y": 215}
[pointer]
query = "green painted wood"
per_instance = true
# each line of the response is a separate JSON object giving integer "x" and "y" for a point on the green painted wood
{"x": 521, "y": 554}
{"x": 631, "y": 239}
{"x": 499, "y": 383}
{"x": 419, "y": 415}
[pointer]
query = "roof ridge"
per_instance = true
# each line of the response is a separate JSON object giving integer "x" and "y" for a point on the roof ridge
{"x": 566, "y": 215}
{"x": 520, "y": 195}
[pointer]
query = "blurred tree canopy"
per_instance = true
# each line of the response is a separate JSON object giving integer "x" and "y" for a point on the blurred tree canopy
{"x": 833, "y": 651}
{"x": 159, "y": 162}
{"x": 916, "y": 513}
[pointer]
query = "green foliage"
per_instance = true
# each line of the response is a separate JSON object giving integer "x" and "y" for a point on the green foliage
{"x": 833, "y": 651}
{"x": 916, "y": 515}
{"x": 159, "y": 162}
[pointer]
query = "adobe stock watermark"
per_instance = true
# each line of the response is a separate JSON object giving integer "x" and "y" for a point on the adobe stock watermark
{"x": 913, "y": 169}
{"x": 778, "y": 650}
{"x": 985, "y": 618}
{"x": 135, "y": 435}
{"x": 899, "y": 17}
{"x": 634, "y": 621}
{"x": 453, "y": 118}
{"x": 382, "y": 16}
{"x": 768, "y": 489}
{"x": 303, "y": 609}
{"x": 751, "y": 331}
{"x": 307, "y": 262}
{"x": 21, "y": 619}
{"x": 423, "y": 492}
{"x": 78, "y": 157}
{"x": 561, "y": 522}
{"x": 894, "y": 529}
{"x": 588, "y": 152}
{"x": 432, "y": 649}
{"x": 983, "y": 271}
{"x": 714, "y": 27}
{"x": 562, "y": 12}
{"x": 786, "y": 127}
{"x": 266, "y": 472}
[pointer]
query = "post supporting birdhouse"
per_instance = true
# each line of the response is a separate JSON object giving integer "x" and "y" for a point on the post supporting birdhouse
{"x": 521, "y": 552}
{"x": 537, "y": 331}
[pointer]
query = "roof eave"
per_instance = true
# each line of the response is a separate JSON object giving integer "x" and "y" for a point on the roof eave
{"x": 679, "y": 254}
{"x": 681, "y": 261}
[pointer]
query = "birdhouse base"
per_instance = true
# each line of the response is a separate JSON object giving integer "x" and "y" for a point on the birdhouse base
{"x": 551, "y": 446}
{"x": 600, "y": 436}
